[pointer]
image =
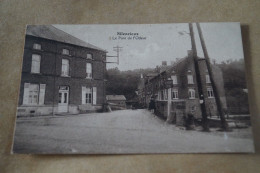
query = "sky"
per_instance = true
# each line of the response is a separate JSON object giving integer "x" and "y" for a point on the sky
{"x": 163, "y": 42}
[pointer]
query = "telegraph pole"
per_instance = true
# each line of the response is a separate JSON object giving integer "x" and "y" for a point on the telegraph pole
{"x": 117, "y": 49}
{"x": 199, "y": 83}
{"x": 215, "y": 91}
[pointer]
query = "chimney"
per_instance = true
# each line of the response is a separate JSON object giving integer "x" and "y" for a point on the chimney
{"x": 157, "y": 69}
{"x": 164, "y": 63}
{"x": 189, "y": 53}
{"x": 164, "y": 66}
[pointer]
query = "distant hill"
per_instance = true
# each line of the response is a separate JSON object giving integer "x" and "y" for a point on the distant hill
{"x": 124, "y": 82}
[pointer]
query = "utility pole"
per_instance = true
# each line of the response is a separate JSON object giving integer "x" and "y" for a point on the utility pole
{"x": 215, "y": 90}
{"x": 198, "y": 77}
{"x": 117, "y": 49}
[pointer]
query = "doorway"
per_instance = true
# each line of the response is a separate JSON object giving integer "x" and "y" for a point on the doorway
{"x": 63, "y": 105}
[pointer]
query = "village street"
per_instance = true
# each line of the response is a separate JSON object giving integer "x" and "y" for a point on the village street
{"x": 125, "y": 131}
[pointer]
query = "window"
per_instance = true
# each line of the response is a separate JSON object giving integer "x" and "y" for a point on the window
{"x": 89, "y": 56}
{"x": 210, "y": 92}
{"x": 166, "y": 94}
{"x": 162, "y": 95}
{"x": 191, "y": 93}
{"x": 89, "y": 70}
{"x": 65, "y": 67}
{"x": 175, "y": 94}
{"x": 33, "y": 94}
{"x": 36, "y": 46}
{"x": 89, "y": 95}
{"x": 174, "y": 79}
{"x": 207, "y": 79}
{"x": 190, "y": 79}
{"x": 65, "y": 52}
{"x": 193, "y": 108}
{"x": 86, "y": 95}
{"x": 36, "y": 62}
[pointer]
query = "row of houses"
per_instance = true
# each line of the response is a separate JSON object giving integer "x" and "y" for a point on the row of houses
{"x": 60, "y": 73}
{"x": 175, "y": 89}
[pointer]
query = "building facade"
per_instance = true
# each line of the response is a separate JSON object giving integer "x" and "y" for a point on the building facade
{"x": 180, "y": 97}
{"x": 60, "y": 74}
{"x": 116, "y": 100}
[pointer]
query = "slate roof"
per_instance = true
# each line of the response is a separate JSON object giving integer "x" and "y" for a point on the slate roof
{"x": 52, "y": 33}
{"x": 115, "y": 97}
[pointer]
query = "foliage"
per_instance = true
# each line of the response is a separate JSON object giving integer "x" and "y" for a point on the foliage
{"x": 234, "y": 83}
{"x": 124, "y": 82}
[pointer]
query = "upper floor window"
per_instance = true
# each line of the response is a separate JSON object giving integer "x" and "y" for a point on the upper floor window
{"x": 191, "y": 93}
{"x": 207, "y": 79}
{"x": 174, "y": 79}
{"x": 89, "y": 70}
{"x": 37, "y": 46}
{"x": 175, "y": 94}
{"x": 210, "y": 92}
{"x": 65, "y": 67}
{"x": 190, "y": 79}
{"x": 36, "y": 63}
{"x": 65, "y": 52}
{"x": 89, "y": 56}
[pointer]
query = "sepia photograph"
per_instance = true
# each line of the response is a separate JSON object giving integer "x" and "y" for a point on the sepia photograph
{"x": 133, "y": 89}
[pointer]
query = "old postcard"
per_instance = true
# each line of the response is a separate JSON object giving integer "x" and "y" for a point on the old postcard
{"x": 140, "y": 88}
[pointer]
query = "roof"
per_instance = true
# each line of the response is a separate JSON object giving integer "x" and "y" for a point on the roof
{"x": 170, "y": 68}
{"x": 52, "y": 33}
{"x": 151, "y": 74}
{"x": 115, "y": 97}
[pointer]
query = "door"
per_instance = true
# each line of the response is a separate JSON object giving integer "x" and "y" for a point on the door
{"x": 63, "y": 105}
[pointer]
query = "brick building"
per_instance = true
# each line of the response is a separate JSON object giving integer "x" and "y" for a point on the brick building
{"x": 60, "y": 73}
{"x": 182, "y": 95}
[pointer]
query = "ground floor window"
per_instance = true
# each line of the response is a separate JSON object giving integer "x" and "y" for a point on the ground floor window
{"x": 89, "y": 95}
{"x": 175, "y": 94}
{"x": 33, "y": 94}
{"x": 210, "y": 92}
{"x": 166, "y": 94}
{"x": 162, "y": 95}
{"x": 191, "y": 93}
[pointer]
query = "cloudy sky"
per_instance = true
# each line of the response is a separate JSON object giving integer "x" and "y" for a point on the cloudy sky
{"x": 164, "y": 42}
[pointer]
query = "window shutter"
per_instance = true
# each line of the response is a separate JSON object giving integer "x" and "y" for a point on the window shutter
{"x": 94, "y": 95}
{"x": 26, "y": 93}
{"x": 42, "y": 94}
{"x": 83, "y": 96}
